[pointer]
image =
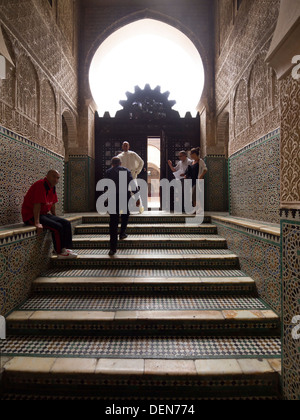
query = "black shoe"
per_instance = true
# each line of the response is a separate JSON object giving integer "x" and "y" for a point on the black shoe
{"x": 122, "y": 237}
{"x": 112, "y": 253}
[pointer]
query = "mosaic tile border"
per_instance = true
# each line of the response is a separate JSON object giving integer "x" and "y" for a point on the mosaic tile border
{"x": 290, "y": 231}
{"x": 93, "y": 302}
{"x": 258, "y": 142}
{"x": 142, "y": 263}
{"x": 254, "y": 180}
{"x": 259, "y": 257}
{"x": 114, "y": 273}
{"x": 143, "y": 347}
{"x": 13, "y": 136}
{"x": 16, "y": 179}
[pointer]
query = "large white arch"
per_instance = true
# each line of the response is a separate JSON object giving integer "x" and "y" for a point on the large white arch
{"x": 147, "y": 51}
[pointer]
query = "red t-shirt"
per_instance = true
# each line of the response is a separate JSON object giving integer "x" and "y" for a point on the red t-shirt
{"x": 39, "y": 193}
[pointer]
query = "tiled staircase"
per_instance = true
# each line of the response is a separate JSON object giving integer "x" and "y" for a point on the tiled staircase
{"x": 171, "y": 316}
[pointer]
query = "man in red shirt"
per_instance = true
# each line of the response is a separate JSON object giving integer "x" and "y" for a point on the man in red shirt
{"x": 39, "y": 210}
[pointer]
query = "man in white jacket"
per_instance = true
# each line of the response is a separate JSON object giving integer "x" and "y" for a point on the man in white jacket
{"x": 131, "y": 160}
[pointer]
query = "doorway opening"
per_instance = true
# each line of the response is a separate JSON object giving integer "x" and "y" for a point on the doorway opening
{"x": 154, "y": 172}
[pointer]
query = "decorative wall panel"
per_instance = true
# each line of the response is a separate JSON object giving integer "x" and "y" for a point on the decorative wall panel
{"x": 81, "y": 183}
{"x": 216, "y": 184}
{"x": 290, "y": 228}
{"x": 23, "y": 163}
{"x": 290, "y": 142}
{"x": 22, "y": 258}
{"x": 255, "y": 180}
{"x": 259, "y": 257}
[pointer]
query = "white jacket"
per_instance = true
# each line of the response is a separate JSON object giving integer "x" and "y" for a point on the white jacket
{"x": 132, "y": 161}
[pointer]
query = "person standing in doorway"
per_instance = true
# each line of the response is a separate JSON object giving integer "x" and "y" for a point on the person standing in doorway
{"x": 196, "y": 171}
{"x": 182, "y": 165}
{"x": 131, "y": 160}
{"x": 180, "y": 169}
{"x": 114, "y": 174}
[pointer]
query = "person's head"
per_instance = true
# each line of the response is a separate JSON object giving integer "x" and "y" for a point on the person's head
{"x": 115, "y": 162}
{"x": 125, "y": 146}
{"x": 195, "y": 153}
{"x": 53, "y": 177}
{"x": 183, "y": 156}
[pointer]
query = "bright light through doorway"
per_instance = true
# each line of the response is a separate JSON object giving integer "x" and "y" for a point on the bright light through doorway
{"x": 144, "y": 52}
{"x": 153, "y": 172}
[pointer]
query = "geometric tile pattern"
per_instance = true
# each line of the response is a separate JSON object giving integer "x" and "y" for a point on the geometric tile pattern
{"x": 260, "y": 259}
{"x": 16, "y": 178}
{"x": 65, "y": 272}
{"x": 290, "y": 228}
{"x": 19, "y": 266}
{"x": 155, "y": 252}
{"x": 132, "y": 302}
{"x": 255, "y": 180}
{"x": 143, "y": 347}
{"x": 216, "y": 184}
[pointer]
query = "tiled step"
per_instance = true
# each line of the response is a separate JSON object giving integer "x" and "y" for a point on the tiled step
{"x": 147, "y": 347}
{"x": 98, "y": 378}
{"x": 141, "y": 229}
{"x": 131, "y": 302}
{"x": 151, "y": 242}
{"x": 104, "y": 283}
{"x": 154, "y": 252}
{"x": 142, "y": 323}
{"x": 146, "y": 219}
{"x": 204, "y": 261}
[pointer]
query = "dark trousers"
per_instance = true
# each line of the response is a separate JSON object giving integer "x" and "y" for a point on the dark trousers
{"x": 61, "y": 231}
{"x": 113, "y": 229}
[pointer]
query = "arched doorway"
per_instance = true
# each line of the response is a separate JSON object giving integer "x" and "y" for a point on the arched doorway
{"x": 151, "y": 52}
{"x": 146, "y": 114}
{"x": 174, "y": 66}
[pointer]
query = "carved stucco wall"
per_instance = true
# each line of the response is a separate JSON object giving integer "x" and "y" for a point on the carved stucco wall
{"x": 248, "y": 90}
{"x": 42, "y": 41}
{"x": 243, "y": 79}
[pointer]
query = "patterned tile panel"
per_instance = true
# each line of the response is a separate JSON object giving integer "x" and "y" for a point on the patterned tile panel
{"x": 290, "y": 225}
{"x": 260, "y": 258}
{"x": 255, "y": 180}
{"x": 21, "y": 262}
{"x": 23, "y": 163}
{"x": 216, "y": 184}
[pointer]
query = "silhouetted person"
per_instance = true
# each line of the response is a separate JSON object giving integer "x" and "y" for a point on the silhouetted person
{"x": 114, "y": 174}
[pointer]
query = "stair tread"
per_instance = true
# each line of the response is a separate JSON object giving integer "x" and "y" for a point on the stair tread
{"x": 129, "y": 280}
{"x": 197, "y": 256}
{"x": 125, "y": 367}
{"x": 176, "y": 315}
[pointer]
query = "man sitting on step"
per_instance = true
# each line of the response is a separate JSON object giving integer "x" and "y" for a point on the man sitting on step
{"x": 114, "y": 174}
{"x": 39, "y": 210}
